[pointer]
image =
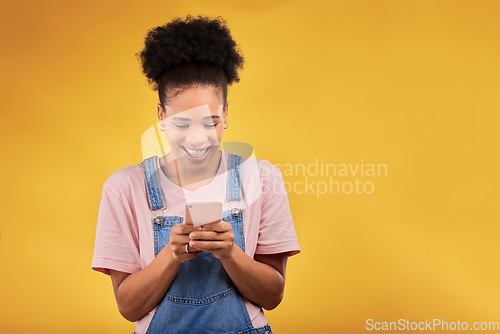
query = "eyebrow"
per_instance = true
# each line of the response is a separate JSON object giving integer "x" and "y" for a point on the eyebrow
{"x": 176, "y": 118}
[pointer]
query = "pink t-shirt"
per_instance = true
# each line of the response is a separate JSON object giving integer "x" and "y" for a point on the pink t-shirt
{"x": 124, "y": 235}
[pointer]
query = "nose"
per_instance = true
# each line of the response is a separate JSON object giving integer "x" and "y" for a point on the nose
{"x": 196, "y": 137}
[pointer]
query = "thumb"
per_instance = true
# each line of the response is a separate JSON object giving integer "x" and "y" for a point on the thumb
{"x": 187, "y": 216}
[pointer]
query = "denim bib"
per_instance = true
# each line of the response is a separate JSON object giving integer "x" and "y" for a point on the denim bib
{"x": 202, "y": 297}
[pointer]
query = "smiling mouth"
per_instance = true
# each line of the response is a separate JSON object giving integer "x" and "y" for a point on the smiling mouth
{"x": 195, "y": 154}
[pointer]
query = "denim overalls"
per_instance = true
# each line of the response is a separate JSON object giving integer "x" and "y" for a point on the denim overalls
{"x": 201, "y": 298}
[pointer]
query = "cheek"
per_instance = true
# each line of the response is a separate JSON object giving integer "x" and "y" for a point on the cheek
{"x": 174, "y": 136}
{"x": 218, "y": 132}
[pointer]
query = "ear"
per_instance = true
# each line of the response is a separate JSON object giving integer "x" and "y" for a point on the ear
{"x": 225, "y": 111}
{"x": 161, "y": 112}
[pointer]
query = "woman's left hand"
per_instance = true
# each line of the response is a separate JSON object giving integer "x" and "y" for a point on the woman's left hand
{"x": 216, "y": 238}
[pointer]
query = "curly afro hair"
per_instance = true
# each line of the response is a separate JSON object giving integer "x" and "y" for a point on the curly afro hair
{"x": 190, "y": 51}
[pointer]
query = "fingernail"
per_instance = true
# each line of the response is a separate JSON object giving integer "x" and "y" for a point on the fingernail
{"x": 193, "y": 235}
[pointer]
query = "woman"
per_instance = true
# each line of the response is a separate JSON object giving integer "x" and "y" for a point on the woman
{"x": 168, "y": 275}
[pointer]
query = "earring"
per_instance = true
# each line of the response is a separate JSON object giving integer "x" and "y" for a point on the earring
{"x": 226, "y": 125}
{"x": 162, "y": 128}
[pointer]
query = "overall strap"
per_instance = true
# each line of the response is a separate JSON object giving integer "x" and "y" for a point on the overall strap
{"x": 234, "y": 177}
{"x": 153, "y": 187}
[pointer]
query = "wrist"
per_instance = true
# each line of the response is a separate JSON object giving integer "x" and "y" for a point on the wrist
{"x": 231, "y": 255}
{"x": 170, "y": 257}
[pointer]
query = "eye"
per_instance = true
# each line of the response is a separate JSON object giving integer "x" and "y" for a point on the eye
{"x": 213, "y": 125}
{"x": 181, "y": 126}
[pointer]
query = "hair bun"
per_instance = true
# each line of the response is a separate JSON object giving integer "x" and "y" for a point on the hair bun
{"x": 190, "y": 40}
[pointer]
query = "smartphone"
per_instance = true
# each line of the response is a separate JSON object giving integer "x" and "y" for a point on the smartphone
{"x": 204, "y": 211}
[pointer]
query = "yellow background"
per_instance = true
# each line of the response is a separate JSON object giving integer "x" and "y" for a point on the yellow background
{"x": 412, "y": 84}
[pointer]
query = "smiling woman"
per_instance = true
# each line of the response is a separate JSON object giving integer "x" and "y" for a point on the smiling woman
{"x": 193, "y": 122}
{"x": 168, "y": 275}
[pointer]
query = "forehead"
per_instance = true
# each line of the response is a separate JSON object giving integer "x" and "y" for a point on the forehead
{"x": 204, "y": 111}
{"x": 191, "y": 97}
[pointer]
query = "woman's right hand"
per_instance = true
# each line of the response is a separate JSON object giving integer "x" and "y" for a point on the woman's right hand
{"x": 140, "y": 292}
{"x": 179, "y": 238}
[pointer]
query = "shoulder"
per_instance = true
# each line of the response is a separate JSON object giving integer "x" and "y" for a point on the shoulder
{"x": 267, "y": 168}
{"x": 263, "y": 167}
{"x": 125, "y": 180}
{"x": 260, "y": 169}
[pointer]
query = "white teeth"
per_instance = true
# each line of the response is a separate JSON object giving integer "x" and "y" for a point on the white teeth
{"x": 196, "y": 154}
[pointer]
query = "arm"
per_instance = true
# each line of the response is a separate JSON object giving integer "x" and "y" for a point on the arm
{"x": 138, "y": 293}
{"x": 260, "y": 280}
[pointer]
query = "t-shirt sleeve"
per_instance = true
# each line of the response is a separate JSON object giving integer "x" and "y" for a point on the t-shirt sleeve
{"x": 276, "y": 231}
{"x": 117, "y": 237}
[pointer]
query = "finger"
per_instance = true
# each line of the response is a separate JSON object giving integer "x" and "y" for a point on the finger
{"x": 210, "y": 245}
{"x": 179, "y": 240}
{"x": 187, "y": 216}
{"x": 180, "y": 248}
{"x": 191, "y": 249}
{"x": 177, "y": 246}
{"x": 207, "y": 235}
{"x": 184, "y": 228}
{"x": 220, "y": 226}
